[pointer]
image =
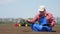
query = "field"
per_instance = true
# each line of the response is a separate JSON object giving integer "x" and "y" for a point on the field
{"x": 7, "y": 29}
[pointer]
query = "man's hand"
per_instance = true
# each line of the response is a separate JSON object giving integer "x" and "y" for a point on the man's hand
{"x": 52, "y": 24}
{"x": 27, "y": 20}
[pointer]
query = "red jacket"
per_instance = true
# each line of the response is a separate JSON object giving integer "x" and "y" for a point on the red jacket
{"x": 49, "y": 18}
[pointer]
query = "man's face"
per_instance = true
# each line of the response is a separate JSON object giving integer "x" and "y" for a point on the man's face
{"x": 42, "y": 12}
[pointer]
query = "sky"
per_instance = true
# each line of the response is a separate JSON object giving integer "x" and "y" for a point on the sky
{"x": 27, "y": 8}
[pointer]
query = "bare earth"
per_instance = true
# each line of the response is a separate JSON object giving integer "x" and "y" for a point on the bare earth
{"x": 25, "y": 30}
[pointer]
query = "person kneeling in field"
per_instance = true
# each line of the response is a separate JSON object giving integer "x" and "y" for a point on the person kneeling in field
{"x": 46, "y": 21}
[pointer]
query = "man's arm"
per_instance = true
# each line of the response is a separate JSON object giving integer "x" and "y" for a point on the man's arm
{"x": 52, "y": 20}
{"x": 34, "y": 19}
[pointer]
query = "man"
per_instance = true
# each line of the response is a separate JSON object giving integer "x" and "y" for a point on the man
{"x": 46, "y": 20}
